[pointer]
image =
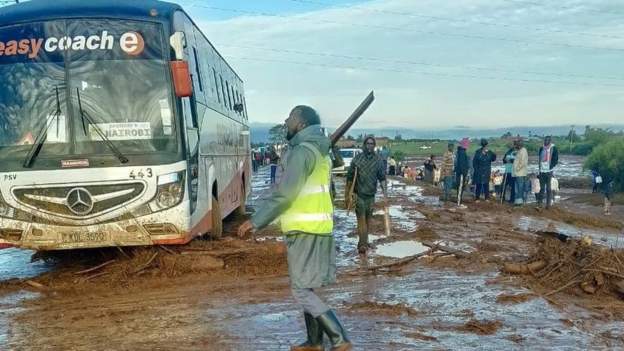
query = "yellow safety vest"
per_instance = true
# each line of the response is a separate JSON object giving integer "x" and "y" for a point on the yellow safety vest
{"x": 312, "y": 211}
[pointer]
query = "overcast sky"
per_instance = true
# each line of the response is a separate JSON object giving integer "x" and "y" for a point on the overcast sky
{"x": 432, "y": 63}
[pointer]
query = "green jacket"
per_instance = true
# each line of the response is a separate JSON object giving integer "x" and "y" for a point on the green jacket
{"x": 299, "y": 164}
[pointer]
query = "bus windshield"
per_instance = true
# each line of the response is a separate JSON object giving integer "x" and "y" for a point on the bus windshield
{"x": 116, "y": 71}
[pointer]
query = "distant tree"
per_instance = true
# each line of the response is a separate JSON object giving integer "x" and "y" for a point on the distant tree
{"x": 350, "y": 137}
{"x": 360, "y": 138}
{"x": 506, "y": 135}
{"x": 277, "y": 134}
{"x": 398, "y": 137}
{"x": 608, "y": 160}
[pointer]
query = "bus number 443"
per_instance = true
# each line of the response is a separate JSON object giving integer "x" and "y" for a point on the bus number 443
{"x": 134, "y": 174}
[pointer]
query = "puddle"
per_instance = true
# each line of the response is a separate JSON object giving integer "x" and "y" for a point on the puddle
{"x": 604, "y": 237}
{"x": 402, "y": 218}
{"x": 401, "y": 249}
{"x": 15, "y": 263}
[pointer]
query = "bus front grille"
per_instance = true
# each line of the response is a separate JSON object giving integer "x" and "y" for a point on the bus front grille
{"x": 78, "y": 201}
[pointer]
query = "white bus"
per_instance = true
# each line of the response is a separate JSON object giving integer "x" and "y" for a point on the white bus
{"x": 120, "y": 125}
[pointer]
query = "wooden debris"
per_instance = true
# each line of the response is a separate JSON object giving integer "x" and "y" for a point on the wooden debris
{"x": 36, "y": 285}
{"x": 524, "y": 268}
{"x": 96, "y": 267}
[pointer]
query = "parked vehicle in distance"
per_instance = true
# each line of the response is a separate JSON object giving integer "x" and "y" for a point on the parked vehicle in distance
{"x": 347, "y": 155}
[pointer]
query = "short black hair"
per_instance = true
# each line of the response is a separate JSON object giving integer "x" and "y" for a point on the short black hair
{"x": 308, "y": 115}
{"x": 371, "y": 138}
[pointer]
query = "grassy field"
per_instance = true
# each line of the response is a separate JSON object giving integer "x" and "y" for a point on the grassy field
{"x": 498, "y": 145}
{"x": 433, "y": 147}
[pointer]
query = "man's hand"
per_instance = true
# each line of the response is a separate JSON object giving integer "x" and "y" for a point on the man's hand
{"x": 245, "y": 228}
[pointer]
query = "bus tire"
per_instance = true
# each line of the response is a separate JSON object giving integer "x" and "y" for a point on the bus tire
{"x": 217, "y": 221}
{"x": 241, "y": 209}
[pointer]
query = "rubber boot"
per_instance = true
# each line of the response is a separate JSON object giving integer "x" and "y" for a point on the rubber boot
{"x": 334, "y": 330}
{"x": 315, "y": 335}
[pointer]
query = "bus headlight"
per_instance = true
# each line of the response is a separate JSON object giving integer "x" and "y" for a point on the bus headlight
{"x": 170, "y": 191}
{"x": 6, "y": 210}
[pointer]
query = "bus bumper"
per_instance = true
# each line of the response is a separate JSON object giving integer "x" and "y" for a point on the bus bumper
{"x": 141, "y": 231}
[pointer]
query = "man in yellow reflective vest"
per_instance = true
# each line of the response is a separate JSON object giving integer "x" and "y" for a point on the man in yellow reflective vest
{"x": 302, "y": 201}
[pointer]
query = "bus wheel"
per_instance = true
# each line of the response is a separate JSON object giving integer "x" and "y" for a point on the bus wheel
{"x": 217, "y": 221}
{"x": 241, "y": 210}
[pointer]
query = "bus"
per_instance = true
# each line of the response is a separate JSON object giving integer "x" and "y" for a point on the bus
{"x": 120, "y": 125}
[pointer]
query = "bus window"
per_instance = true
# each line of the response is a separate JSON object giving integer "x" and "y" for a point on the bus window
{"x": 227, "y": 88}
{"x": 223, "y": 91}
{"x": 214, "y": 73}
{"x": 197, "y": 70}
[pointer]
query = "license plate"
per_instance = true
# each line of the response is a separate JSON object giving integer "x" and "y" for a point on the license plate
{"x": 83, "y": 237}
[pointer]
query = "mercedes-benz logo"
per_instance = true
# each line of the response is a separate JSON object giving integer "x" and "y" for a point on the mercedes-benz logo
{"x": 79, "y": 201}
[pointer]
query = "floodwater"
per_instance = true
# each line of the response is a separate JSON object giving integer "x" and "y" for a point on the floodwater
{"x": 419, "y": 307}
{"x": 401, "y": 249}
{"x": 15, "y": 263}
{"x": 607, "y": 237}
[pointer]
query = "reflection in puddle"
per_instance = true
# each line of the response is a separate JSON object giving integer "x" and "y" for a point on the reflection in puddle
{"x": 401, "y": 249}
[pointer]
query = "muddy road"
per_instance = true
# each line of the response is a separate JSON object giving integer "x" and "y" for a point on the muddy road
{"x": 234, "y": 295}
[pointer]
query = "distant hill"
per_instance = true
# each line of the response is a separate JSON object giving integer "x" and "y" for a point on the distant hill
{"x": 260, "y": 131}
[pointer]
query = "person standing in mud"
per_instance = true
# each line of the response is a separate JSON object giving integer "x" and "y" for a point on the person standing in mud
{"x": 482, "y": 164}
{"x": 520, "y": 170}
{"x": 446, "y": 172}
{"x": 509, "y": 181}
{"x": 462, "y": 167}
{"x": 274, "y": 159}
{"x": 303, "y": 203}
{"x": 370, "y": 171}
{"x": 430, "y": 167}
{"x": 548, "y": 158}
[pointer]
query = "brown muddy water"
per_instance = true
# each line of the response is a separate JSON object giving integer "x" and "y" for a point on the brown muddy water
{"x": 437, "y": 302}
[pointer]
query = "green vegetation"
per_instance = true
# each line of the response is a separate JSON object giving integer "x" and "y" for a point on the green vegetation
{"x": 608, "y": 159}
{"x": 571, "y": 144}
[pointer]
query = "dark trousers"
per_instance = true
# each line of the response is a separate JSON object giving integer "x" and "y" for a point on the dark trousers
{"x": 254, "y": 165}
{"x": 385, "y": 166}
{"x": 273, "y": 172}
{"x": 392, "y": 170}
{"x": 482, "y": 188}
{"x": 364, "y": 212}
{"x": 509, "y": 181}
{"x": 545, "y": 187}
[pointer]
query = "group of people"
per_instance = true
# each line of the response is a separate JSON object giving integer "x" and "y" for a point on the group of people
{"x": 268, "y": 158}
{"x": 515, "y": 180}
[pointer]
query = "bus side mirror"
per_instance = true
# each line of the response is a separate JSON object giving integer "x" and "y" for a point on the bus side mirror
{"x": 238, "y": 108}
{"x": 181, "y": 78}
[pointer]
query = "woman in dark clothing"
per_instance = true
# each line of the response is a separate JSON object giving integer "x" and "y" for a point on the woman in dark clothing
{"x": 462, "y": 165}
{"x": 482, "y": 165}
{"x": 430, "y": 167}
{"x": 510, "y": 180}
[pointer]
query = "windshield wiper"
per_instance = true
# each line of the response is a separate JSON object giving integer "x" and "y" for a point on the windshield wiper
{"x": 43, "y": 133}
{"x": 84, "y": 115}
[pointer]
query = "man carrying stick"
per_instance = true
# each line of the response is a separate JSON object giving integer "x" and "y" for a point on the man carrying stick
{"x": 369, "y": 171}
{"x": 303, "y": 203}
